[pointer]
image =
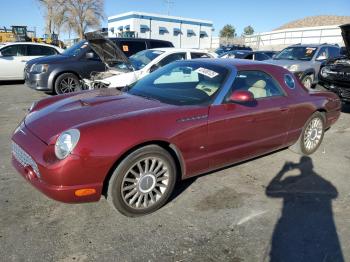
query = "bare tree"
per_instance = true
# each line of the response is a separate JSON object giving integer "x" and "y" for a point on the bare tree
{"x": 48, "y": 7}
{"x": 84, "y": 14}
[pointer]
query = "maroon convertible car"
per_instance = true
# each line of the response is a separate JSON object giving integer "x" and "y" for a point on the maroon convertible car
{"x": 182, "y": 120}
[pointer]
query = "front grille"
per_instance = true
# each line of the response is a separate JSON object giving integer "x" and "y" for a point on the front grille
{"x": 23, "y": 158}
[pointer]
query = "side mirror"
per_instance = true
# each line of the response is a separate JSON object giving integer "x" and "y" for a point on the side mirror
{"x": 89, "y": 55}
{"x": 241, "y": 96}
{"x": 154, "y": 68}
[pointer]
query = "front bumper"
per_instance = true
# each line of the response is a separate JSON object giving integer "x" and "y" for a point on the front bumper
{"x": 341, "y": 91}
{"x": 37, "y": 81}
{"x": 56, "y": 180}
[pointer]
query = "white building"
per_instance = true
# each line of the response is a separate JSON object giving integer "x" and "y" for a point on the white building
{"x": 182, "y": 32}
{"x": 279, "y": 39}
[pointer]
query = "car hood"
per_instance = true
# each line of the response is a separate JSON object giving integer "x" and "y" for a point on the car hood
{"x": 107, "y": 50}
{"x": 345, "y": 31}
{"x": 52, "y": 59}
{"x": 49, "y": 119}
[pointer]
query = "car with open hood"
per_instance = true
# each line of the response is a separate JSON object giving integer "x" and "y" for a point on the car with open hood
{"x": 184, "y": 119}
{"x": 335, "y": 73}
{"x": 63, "y": 73}
{"x": 305, "y": 60}
{"x": 123, "y": 71}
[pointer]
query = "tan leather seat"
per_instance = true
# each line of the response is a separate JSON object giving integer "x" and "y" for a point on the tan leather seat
{"x": 258, "y": 89}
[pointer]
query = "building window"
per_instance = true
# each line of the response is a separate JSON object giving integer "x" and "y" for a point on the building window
{"x": 144, "y": 28}
{"x": 177, "y": 31}
{"x": 120, "y": 28}
{"x": 203, "y": 34}
{"x": 190, "y": 33}
{"x": 163, "y": 30}
{"x": 127, "y": 27}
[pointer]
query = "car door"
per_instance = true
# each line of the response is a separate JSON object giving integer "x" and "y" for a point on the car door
{"x": 89, "y": 62}
{"x": 237, "y": 132}
{"x": 12, "y": 61}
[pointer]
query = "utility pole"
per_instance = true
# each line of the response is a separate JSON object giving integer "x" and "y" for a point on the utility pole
{"x": 169, "y": 5}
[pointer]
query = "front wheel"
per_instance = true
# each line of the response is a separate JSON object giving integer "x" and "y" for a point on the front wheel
{"x": 67, "y": 83}
{"x": 142, "y": 182}
{"x": 311, "y": 136}
{"x": 307, "y": 81}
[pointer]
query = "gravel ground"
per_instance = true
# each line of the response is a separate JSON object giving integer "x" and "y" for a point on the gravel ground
{"x": 239, "y": 213}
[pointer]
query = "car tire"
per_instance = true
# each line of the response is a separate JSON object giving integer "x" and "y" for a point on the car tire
{"x": 67, "y": 83}
{"x": 142, "y": 182}
{"x": 308, "y": 81}
{"x": 311, "y": 135}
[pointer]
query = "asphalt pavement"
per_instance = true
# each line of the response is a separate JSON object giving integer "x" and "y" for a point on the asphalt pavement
{"x": 261, "y": 210}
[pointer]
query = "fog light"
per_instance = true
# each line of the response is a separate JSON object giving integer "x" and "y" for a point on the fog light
{"x": 85, "y": 192}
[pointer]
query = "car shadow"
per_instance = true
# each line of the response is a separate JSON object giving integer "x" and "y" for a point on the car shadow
{"x": 345, "y": 108}
{"x": 306, "y": 230}
{"x": 12, "y": 82}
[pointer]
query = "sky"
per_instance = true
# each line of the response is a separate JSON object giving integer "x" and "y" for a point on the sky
{"x": 263, "y": 15}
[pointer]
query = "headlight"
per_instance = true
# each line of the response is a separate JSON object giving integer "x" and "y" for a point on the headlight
{"x": 324, "y": 72}
{"x": 66, "y": 143}
{"x": 40, "y": 68}
{"x": 293, "y": 68}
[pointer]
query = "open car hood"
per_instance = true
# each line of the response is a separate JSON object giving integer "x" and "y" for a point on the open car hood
{"x": 345, "y": 31}
{"x": 108, "y": 51}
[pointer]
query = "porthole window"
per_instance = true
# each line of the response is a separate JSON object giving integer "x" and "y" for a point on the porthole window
{"x": 289, "y": 80}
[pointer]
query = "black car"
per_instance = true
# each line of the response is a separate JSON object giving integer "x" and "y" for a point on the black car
{"x": 335, "y": 73}
{"x": 62, "y": 73}
{"x": 246, "y": 54}
{"x": 224, "y": 49}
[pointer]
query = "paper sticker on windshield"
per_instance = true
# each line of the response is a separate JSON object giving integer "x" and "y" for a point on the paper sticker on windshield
{"x": 125, "y": 48}
{"x": 206, "y": 72}
{"x": 309, "y": 50}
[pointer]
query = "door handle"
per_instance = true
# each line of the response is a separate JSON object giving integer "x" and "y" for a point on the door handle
{"x": 284, "y": 109}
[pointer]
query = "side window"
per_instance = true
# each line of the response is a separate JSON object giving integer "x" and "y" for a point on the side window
{"x": 199, "y": 55}
{"x": 14, "y": 50}
{"x": 171, "y": 58}
{"x": 48, "y": 50}
{"x": 260, "y": 84}
{"x": 334, "y": 52}
{"x": 261, "y": 57}
{"x": 323, "y": 54}
{"x": 250, "y": 57}
{"x": 37, "y": 50}
{"x": 131, "y": 47}
{"x": 157, "y": 44}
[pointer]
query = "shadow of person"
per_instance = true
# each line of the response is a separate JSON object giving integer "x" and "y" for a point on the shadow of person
{"x": 306, "y": 230}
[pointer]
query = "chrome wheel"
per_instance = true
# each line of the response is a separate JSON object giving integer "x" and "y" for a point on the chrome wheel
{"x": 307, "y": 82}
{"x": 145, "y": 183}
{"x": 313, "y": 134}
{"x": 68, "y": 85}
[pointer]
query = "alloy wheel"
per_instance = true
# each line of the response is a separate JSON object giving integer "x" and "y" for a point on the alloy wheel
{"x": 145, "y": 183}
{"x": 69, "y": 85}
{"x": 313, "y": 134}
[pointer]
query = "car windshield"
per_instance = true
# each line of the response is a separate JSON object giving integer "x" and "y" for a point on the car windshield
{"x": 143, "y": 58}
{"x": 182, "y": 83}
{"x": 296, "y": 53}
{"x": 76, "y": 49}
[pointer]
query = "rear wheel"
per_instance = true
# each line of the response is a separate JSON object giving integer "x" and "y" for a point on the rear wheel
{"x": 142, "y": 182}
{"x": 311, "y": 136}
{"x": 67, "y": 83}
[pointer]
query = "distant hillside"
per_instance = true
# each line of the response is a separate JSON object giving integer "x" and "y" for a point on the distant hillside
{"x": 320, "y": 20}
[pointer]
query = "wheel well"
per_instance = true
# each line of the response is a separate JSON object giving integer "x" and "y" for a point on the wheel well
{"x": 162, "y": 144}
{"x": 61, "y": 73}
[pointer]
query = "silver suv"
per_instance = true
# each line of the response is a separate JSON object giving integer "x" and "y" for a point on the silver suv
{"x": 305, "y": 60}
